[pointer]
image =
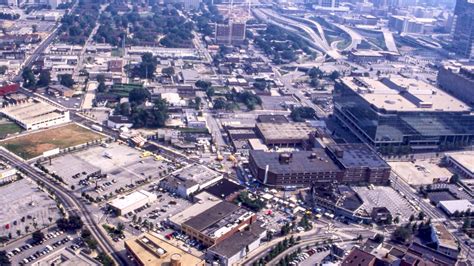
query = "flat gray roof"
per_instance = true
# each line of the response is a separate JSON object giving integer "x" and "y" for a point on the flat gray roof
{"x": 402, "y": 94}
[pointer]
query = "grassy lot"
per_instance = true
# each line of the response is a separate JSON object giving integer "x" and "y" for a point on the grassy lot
{"x": 34, "y": 144}
{"x": 8, "y": 128}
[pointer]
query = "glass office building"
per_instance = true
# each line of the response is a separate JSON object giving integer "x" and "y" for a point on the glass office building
{"x": 399, "y": 115}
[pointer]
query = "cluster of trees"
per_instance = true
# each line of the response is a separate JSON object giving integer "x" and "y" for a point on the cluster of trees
{"x": 300, "y": 114}
{"x": 249, "y": 99}
{"x": 206, "y": 86}
{"x": 281, "y": 45}
{"x": 289, "y": 258}
{"x": 4, "y": 260}
{"x": 37, "y": 236}
{"x": 105, "y": 259}
{"x": 254, "y": 204}
{"x": 142, "y": 116}
{"x": 260, "y": 84}
{"x": 88, "y": 239}
{"x": 44, "y": 79}
{"x": 72, "y": 223}
{"x": 305, "y": 223}
{"x": 315, "y": 74}
{"x": 76, "y": 27}
{"x": 404, "y": 233}
{"x": 9, "y": 16}
{"x": 209, "y": 14}
{"x": 66, "y": 80}
{"x": 275, "y": 251}
{"x": 3, "y": 70}
{"x": 146, "y": 68}
{"x": 144, "y": 30}
{"x": 286, "y": 228}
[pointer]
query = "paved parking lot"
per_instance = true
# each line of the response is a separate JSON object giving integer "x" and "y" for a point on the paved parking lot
{"x": 385, "y": 197}
{"x": 23, "y": 205}
{"x": 122, "y": 164}
{"x": 421, "y": 172}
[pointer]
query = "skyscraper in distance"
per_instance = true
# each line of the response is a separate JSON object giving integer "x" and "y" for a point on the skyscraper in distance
{"x": 463, "y": 29}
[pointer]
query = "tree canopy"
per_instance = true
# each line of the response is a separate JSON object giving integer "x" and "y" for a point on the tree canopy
{"x": 300, "y": 114}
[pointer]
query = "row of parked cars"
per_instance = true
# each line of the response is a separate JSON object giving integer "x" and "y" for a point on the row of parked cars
{"x": 308, "y": 253}
{"x": 46, "y": 250}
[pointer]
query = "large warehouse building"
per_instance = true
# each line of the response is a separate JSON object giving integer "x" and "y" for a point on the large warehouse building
{"x": 35, "y": 114}
{"x": 400, "y": 115}
{"x": 131, "y": 202}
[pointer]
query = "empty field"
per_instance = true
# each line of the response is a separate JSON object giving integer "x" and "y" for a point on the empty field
{"x": 7, "y": 128}
{"x": 34, "y": 144}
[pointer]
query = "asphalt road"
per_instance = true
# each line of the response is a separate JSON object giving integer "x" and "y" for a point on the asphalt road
{"x": 72, "y": 205}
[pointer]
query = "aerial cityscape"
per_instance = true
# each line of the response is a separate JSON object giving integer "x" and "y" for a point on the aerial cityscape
{"x": 237, "y": 132}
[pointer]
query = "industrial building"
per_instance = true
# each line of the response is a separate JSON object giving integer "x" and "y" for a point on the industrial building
{"x": 284, "y": 134}
{"x": 218, "y": 223}
{"x": 399, "y": 115}
{"x": 457, "y": 79}
{"x": 190, "y": 180}
{"x": 131, "y": 202}
{"x": 35, "y": 114}
{"x": 150, "y": 250}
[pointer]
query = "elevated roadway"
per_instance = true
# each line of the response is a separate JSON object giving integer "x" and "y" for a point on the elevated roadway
{"x": 300, "y": 28}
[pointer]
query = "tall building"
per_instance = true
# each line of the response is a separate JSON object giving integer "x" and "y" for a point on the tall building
{"x": 232, "y": 33}
{"x": 402, "y": 115}
{"x": 458, "y": 79}
{"x": 463, "y": 30}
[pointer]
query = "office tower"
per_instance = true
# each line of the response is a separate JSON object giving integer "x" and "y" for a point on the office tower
{"x": 463, "y": 31}
{"x": 232, "y": 33}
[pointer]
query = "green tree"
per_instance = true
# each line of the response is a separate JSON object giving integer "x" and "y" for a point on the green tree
{"x": 396, "y": 220}
{"x": 3, "y": 70}
{"x": 120, "y": 228}
{"x": 29, "y": 79}
{"x": 421, "y": 215}
{"x": 101, "y": 87}
{"x": 402, "y": 234}
{"x": 203, "y": 84}
{"x": 37, "y": 236}
{"x": 197, "y": 102}
{"x": 334, "y": 75}
{"x": 100, "y": 78}
{"x": 169, "y": 71}
{"x": 138, "y": 95}
{"x": 44, "y": 78}
{"x": 146, "y": 68}
{"x": 210, "y": 92}
{"x": 66, "y": 80}
{"x": 300, "y": 114}
{"x": 4, "y": 259}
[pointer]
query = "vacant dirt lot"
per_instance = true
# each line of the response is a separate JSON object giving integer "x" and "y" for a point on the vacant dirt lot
{"x": 34, "y": 144}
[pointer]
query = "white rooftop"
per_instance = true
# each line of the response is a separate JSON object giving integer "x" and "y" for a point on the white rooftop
{"x": 456, "y": 205}
{"x": 402, "y": 94}
{"x": 130, "y": 199}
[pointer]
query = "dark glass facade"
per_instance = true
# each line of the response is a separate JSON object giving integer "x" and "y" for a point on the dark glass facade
{"x": 463, "y": 36}
{"x": 405, "y": 131}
